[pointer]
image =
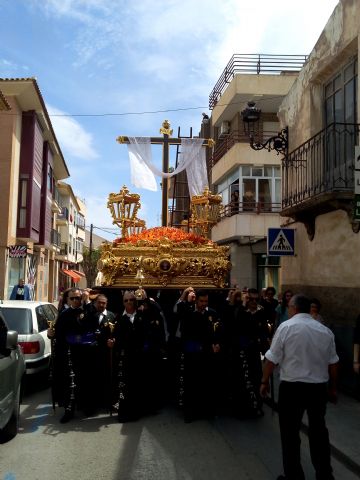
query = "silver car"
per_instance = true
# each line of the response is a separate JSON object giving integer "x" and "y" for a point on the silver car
{"x": 31, "y": 319}
{"x": 12, "y": 368}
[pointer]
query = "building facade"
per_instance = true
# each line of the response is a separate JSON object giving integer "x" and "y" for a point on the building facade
{"x": 31, "y": 162}
{"x": 71, "y": 225}
{"x": 320, "y": 181}
{"x": 248, "y": 180}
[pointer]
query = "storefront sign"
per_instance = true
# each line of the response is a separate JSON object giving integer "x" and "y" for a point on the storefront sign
{"x": 17, "y": 251}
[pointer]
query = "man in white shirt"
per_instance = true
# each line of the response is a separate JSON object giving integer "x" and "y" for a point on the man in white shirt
{"x": 305, "y": 351}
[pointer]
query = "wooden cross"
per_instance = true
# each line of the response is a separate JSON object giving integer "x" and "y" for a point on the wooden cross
{"x": 166, "y": 140}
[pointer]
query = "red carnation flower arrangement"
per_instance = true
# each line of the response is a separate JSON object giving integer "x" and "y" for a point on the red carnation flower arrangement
{"x": 157, "y": 233}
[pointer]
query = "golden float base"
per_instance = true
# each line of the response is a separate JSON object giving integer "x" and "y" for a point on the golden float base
{"x": 165, "y": 263}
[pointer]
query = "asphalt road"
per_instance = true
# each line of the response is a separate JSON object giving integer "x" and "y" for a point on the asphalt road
{"x": 160, "y": 447}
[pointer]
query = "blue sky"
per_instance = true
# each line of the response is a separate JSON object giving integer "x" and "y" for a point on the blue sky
{"x": 95, "y": 57}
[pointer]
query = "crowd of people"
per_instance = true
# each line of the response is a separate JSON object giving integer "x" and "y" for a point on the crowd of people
{"x": 213, "y": 359}
{"x": 125, "y": 362}
{"x": 103, "y": 360}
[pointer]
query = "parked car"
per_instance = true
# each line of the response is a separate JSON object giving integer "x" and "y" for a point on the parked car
{"x": 30, "y": 319}
{"x": 12, "y": 368}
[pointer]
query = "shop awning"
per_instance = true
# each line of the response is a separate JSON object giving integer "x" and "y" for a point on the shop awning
{"x": 82, "y": 274}
{"x": 74, "y": 276}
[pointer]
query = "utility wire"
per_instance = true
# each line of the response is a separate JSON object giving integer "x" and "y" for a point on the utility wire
{"x": 148, "y": 112}
{"x": 104, "y": 229}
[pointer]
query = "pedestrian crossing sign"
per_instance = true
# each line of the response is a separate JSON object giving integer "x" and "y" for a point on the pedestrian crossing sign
{"x": 281, "y": 242}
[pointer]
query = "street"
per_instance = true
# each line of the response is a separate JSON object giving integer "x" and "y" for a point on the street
{"x": 159, "y": 447}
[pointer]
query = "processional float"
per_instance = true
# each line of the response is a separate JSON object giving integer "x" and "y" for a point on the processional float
{"x": 164, "y": 257}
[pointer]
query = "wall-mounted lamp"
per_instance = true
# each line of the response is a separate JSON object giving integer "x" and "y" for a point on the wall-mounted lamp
{"x": 251, "y": 117}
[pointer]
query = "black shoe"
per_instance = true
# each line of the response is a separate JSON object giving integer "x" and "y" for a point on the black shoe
{"x": 68, "y": 415}
{"x": 281, "y": 477}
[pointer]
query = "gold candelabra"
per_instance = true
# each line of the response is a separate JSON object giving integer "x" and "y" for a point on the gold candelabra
{"x": 123, "y": 207}
{"x": 205, "y": 212}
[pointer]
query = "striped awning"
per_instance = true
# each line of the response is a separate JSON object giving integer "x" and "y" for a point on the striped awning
{"x": 73, "y": 275}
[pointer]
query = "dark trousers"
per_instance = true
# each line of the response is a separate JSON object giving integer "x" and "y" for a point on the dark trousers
{"x": 200, "y": 384}
{"x": 294, "y": 399}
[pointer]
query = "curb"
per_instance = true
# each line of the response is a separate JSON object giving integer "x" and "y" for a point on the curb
{"x": 340, "y": 456}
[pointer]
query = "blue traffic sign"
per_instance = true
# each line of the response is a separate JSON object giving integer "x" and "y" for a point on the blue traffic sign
{"x": 281, "y": 242}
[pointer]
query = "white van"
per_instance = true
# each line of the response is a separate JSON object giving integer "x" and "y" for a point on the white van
{"x": 31, "y": 319}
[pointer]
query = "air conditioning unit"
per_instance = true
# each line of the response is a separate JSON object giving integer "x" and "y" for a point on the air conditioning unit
{"x": 224, "y": 128}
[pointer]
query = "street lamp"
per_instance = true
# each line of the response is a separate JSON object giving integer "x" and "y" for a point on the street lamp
{"x": 279, "y": 142}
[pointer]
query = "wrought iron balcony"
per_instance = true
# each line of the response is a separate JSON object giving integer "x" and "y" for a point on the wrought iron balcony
{"x": 64, "y": 215}
{"x": 64, "y": 249}
{"x": 80, "y": 221}
{"x": 250, "y": 207}
{"x": 55, "y": 238}
{"x": 56, "y": 196}
{"x": 255, "y": 64}
{"x": 319, "y": 175}
{"x": 225, "y": 143}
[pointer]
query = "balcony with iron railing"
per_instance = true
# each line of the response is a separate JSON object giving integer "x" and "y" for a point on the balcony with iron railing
{"x": 63, "y": 217}
{"x": 246, "y": 219}
{"x": 63, "y": 249}
{"x": 55, "y": 238}
{"x": 80, "y": 222}
{"x": 318, "y": 176}
{"x": 181, "y": 219}
{"x": 226, "y": 142}
{"x": 249, "y": 207}
{"x": 56, "y": 196}
{"x": 255, "y": 64}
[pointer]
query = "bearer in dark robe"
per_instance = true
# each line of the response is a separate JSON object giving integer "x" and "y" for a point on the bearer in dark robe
{"x": 138, "y": 342}
{"x": 154, "y": 349}
{"x": 269, "y": 303}
{"x": 75, "y": 356}
{"x": 104, "y": 374}
{"x": 201, "y": 338}
{"x": 247, "y": 336}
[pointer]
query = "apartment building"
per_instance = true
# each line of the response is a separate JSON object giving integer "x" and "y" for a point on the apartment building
{"x": 71, "y": 226}
{"x": 248, "y": 180}
{"x": 31, "y": 162}
{"x": 42, "y": 224}
{"x": 321, "y": 175}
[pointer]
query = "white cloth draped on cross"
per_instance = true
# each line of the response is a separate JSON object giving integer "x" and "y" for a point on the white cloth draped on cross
{"x": 191, "y": 158}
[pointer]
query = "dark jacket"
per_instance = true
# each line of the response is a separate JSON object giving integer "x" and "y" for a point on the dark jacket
{"x": 199, "y": 330}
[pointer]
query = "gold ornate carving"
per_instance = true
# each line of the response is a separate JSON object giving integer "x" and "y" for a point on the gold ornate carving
{"x": 165, "y": 263}
{"x": 163, "y": 256}
{"x": 165, "y": 129}
{"x": 211, "y": 142}
{"x": 121, "y": 139}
